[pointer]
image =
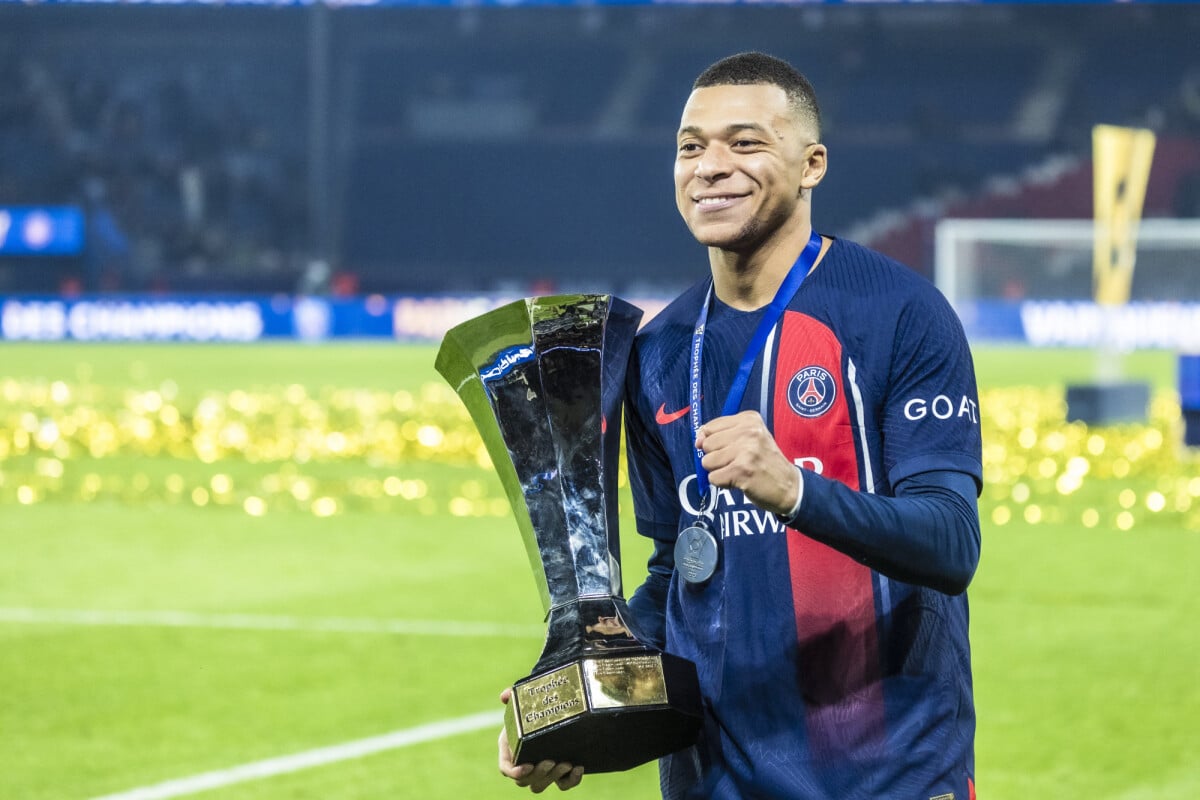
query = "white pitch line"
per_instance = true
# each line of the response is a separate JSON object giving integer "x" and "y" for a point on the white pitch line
{"x": 264, "y": 622}
{"x": 310, "y": 758}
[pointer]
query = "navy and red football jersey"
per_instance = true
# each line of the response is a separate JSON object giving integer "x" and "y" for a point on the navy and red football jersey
{"x": 823, "y": 678}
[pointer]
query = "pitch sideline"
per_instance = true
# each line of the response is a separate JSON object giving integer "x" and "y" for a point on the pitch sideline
{"x": 307, "y": 759}
{"x": 265, "y": 622}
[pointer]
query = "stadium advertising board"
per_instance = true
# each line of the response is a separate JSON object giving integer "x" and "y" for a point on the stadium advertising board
{"x": 510, "y": 3}
{"x": 41, "y": 231}
{"x": 203, "y": 318}
{"x": 1061, "y": 323}
{"x": 426, "y": 318}
{"x": 193, "y": 319}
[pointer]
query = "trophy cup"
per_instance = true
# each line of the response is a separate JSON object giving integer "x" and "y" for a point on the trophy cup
{"x": 543, "y": 380}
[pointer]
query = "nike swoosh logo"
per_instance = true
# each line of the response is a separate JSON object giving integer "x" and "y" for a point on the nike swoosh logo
{"x": 663, "y": 418}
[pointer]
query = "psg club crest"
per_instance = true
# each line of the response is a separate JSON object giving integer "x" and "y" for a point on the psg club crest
{"x": 811, "y": 392}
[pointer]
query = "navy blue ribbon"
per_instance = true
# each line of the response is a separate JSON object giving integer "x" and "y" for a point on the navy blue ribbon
{"x": 787, "y": 290}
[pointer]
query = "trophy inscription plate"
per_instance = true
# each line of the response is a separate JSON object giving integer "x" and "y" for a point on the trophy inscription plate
{"x": 548, "y": 699}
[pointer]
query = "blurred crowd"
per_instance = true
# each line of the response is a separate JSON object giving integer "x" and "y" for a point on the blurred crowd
{"x": 182, "y": 182}
{"x": 477, "y": 146}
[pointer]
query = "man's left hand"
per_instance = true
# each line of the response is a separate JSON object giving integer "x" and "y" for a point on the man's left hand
{"x": 739, "y": 452}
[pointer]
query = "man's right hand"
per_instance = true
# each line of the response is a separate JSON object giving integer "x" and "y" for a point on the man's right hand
{"x": 538, "y": 778}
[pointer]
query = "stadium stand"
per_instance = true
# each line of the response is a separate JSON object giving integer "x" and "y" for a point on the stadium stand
{"x": 508, "y": 147}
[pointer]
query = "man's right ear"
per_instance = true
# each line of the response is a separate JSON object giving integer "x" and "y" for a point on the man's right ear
{"x": 815, "y": 156}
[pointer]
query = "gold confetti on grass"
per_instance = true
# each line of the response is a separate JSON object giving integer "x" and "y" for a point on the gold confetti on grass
{"x": 344, "y": 449}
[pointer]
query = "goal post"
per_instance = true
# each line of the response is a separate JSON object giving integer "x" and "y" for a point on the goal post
{"x": 1034, "y": 280}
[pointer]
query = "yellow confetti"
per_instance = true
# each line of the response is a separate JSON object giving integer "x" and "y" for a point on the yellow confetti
{"x": 330, "y": 450}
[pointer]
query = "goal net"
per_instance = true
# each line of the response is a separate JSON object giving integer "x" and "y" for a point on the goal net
{"x": 1033, "y": 280}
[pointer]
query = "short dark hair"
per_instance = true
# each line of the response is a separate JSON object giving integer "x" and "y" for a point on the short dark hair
{"x": 753, "y": 67}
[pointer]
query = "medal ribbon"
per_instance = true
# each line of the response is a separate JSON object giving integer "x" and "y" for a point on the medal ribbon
{"x": 787, "y": 290}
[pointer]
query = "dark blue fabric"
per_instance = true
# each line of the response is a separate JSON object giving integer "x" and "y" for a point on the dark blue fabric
{"x": 769, "y": 319}
{"x": 914, "y": 432}
{"x": 877, "y": 530}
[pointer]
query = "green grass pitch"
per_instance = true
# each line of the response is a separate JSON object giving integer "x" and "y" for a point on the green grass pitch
{"x": 329, "y": 586}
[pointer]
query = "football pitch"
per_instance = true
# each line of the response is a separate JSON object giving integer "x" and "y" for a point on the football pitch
{"x": 276, "y": 572}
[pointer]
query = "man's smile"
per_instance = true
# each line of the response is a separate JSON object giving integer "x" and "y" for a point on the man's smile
{"x": 716, "y": 201}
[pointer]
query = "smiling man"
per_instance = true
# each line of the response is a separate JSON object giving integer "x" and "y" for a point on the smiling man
{"x": 814, "y": 536}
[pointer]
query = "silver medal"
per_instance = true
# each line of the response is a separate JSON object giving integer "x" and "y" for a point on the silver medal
{"x": 696, "y": 554}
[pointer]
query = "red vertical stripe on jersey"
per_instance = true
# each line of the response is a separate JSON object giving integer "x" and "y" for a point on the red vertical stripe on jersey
{"x": 833, "y": 594}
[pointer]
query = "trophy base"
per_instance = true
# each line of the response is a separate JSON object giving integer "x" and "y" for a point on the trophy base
{"x": 607, "y": 713}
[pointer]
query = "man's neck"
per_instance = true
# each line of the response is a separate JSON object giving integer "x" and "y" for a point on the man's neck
{"x": 748, "y": 281}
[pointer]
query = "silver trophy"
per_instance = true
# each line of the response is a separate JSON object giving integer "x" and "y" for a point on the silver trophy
{"x": 543, "y": 380}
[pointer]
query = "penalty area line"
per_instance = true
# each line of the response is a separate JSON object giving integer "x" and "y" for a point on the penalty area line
{"x": 321, "y": 756}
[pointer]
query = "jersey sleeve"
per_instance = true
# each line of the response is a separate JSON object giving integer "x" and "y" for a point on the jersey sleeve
{"x": 931, "y": 411}
{"x": 651, "y": 481}
{"x": 655, "y": 507}
{"x": 649, "y": 601}
{"x": 928, "y": 534}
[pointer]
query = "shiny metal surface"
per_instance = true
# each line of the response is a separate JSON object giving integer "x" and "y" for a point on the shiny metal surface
{"x": 543, "y": 379}
{"x": 696, "y": 554}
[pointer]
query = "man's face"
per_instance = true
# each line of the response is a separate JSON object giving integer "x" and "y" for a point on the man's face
{"x": 742, "y": 159}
